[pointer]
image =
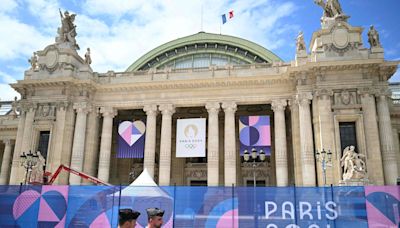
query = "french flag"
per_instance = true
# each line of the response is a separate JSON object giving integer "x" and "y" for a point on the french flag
{"x": 230, "y": 16}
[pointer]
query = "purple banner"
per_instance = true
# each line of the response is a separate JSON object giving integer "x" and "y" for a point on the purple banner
{"x": 131, "y": 139}
{"x": 255, "y": 132}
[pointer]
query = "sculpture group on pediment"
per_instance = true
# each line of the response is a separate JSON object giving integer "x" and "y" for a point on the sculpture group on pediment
{"x": 353, "y": 164}
{"x": 67, "y": 32}
{"x": 332, "y": 8}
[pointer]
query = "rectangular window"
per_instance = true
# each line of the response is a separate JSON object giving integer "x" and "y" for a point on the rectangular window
{"x": 198, "y": 183}
{"x": 43, "y": 147}
{"x": 348, "y": 136}
{"x": 259, "y": 183}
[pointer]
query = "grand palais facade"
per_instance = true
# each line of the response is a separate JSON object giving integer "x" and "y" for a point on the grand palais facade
{"x": 334, "y": 94}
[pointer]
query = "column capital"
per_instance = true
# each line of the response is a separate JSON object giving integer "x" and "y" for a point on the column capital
{"x": 278, "y": 105}
{"x": 28, "y": 106}
{"x": 7, "y": 142}
{"x": 150, "y": 109}
{"x": 366, "y": 92}
{"x": 213, "y": 107}
{"x": 82, "y": 107}
{"x": 108, "y": 111}
{"x": 323, "y": 94}
{"x": 62, "y": 106}
{"x": 167, "y": 109}
{"x": 304, "y": 98}
{"x": 229, "y": 106}
{"x": 383, "y": 94}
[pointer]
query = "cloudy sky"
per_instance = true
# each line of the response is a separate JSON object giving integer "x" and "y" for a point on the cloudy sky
{"x": 120, "y": 31}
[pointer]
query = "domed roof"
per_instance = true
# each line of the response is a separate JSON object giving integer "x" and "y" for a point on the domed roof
{"x": 202, "y": 50}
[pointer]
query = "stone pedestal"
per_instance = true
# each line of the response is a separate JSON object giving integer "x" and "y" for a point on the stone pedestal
{"x": 337, "y": 40}
{"x": 376, "y": 53}
{"x": 355, "y": 182}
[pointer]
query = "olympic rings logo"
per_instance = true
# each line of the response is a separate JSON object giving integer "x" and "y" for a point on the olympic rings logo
{"x": 190, "y": 146}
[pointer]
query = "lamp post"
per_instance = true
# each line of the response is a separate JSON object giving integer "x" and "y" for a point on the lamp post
{"x": 325, "y": 158}
{"x": 29, "y": 161}
{"x": 253, "y": 159}
{"x": 254, "y": 155}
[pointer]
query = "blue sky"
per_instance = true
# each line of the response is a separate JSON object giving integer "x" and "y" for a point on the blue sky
{"x": 120, "y": 31}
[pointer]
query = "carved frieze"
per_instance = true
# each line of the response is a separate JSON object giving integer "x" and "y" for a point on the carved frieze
{"x": 45, "y": 111}
{"x": 196, "y": 171}
{"x": 345, "y": 98}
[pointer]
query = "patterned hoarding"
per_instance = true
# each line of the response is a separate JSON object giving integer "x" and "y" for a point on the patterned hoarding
{"x": 220, "y": 207}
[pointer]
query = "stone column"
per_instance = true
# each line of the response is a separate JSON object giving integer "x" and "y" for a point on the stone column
{"x": 230, "y": 143}
{"x": 387, "y": 144}
{"x": 27, "y": 138}
{"x": 374, "y": 160}
{"x": 167, "y": 111}
{"x": 78, "y": 145}
{"x": 326, "y": 136}
{"x": 306, "y": 140}
{"x": 294, "y": 113}
{"x": 56, "y": 155}
{"x": 150, "y": 143}
{"x": 213, "y": 143}
{"x": 92, "y": 145}
{"x": 5, "y": 165}
{"x": 16, "y": 165}
{"x": 278, "y": 106}
{"x": 105, "y": 145}
{"x": 397, "y": 148}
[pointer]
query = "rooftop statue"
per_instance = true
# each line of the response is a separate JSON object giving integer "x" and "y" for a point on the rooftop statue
{"x": 373, "y": 37}
{"x": 331, "y": 8}
{"x": 300, "y": 44}
{"x": 34, "y": 61}
{"x": 67, "y": 32}
{"x": 88, "y": 59}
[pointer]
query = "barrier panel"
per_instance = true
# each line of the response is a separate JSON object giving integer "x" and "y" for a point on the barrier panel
{"x": 97, "y": 206}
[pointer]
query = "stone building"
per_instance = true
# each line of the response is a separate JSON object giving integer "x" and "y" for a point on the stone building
{"x": 334, "y": 95}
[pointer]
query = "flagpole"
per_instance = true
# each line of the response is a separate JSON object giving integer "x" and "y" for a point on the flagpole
{"x": 201, "y": 24}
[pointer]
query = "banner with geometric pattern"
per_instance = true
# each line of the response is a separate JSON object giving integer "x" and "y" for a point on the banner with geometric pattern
{"x": 255, "y": 132}
{"x": 131, "y": 139}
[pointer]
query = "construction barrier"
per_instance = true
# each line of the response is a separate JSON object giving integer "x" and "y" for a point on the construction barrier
{"x": 97, "y": 206}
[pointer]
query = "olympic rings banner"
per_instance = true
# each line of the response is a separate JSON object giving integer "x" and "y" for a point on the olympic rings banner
{"x": 191, "y": 138}
{"x": 219, "y": 207}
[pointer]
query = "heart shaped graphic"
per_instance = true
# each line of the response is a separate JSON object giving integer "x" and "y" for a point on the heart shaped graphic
{"x": 131, "y": 132}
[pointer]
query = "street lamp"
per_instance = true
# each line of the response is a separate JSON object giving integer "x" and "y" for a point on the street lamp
{"x": 325, "y": 158}
{"x": 254, "y": 155}
{"x": 29, "y": 161}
